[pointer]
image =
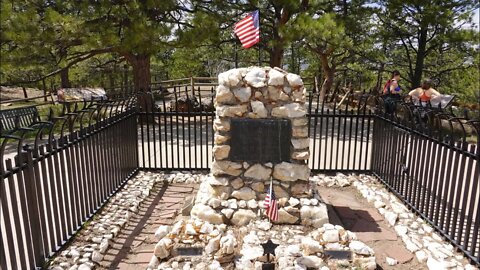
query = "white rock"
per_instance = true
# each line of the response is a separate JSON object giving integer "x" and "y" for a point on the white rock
{"x": 96, "y": 256}
{"x": 285, "y": 217}
{"x": 293, "y": 250}
{"x": 379, "y": 204}
{"x": 162, "y": 248}
{"x": 74, "y": 253}
{"x": 242, "y": 217}
{"x": 276, "y": 77}
{"x": 310, "y": 261}
{"x": 360, "y": 248}
{"x": 206, "y": 228}
{"x": 242, "y": 204}
{"x": 245, "y": 193}
{"x": 291, "y": 172}
{"x": 214, "y": 203}
{"x": 264, "y": 225}
{"x": 294, "y": 80}
{"x": 177, "y": 227}
{"x": 215, "y": 265}
{"x": 433, "y": 264}
{"x": 223, "y": 95}
{"x": 228, "y": 244}
{"x": 103, "y": 246}
{"x": 401, "y": 229}
{"x": 84, "y": 266}
{"x": 293, "y": 201}
{"x": 213, "y": 245}
{"x": 226, "y": 167}
{"x": 243, "y": 94}
{"x": 314, "y": 216}
{"x": 230, "y": 78}
{"x": 252, "y": 204}
{"x": 221, "y": 125}
{"x": 154, "y": 262}
{"x": 206, "y": 213}
{"x": 391, "y": 261}
{"x": 228, "y": 212}
{"x": 310, "y": 246}
{"x": 470, "y": 267}
{"x": 258, "y": 172}
{"x": 412, "y": 247}
{"x": 221, "y": 151}
{"x": 259, "y": 109}
{"x": 391, "y": 218}
{"x": 256, "y": 77}
{"x": 251, "y": 252}
{"x": 398, "y": 208}
{"x": 231, "y": 111}
{"x": 291, "y": 110}
{"x": 190, "y": 230}
{"x": 331, "y": 236}
{"x": 300, "y": 143}
{"x": 162, "y": 231}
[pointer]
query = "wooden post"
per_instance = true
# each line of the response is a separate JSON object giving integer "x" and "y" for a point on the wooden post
{"x": 192, "y": 84}
{"x": 44, "y": 90}
{"x": 24, "y": 92}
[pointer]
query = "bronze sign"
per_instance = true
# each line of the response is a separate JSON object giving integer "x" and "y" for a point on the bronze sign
{"x": 260, "y": 140}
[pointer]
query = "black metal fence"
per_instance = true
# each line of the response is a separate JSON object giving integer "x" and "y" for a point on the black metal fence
{"x": 431, "y": 161}
{"x": 49, "y": 188}
{"x": 429, "y": 158}
{"x": 180, "y": 137}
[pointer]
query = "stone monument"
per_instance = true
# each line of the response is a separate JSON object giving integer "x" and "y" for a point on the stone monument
{"x": 261, "y": 132}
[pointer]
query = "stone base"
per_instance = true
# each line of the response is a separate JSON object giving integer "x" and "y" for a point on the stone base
{"x": 232, "y": 202}
{"x": 298, "y": 247}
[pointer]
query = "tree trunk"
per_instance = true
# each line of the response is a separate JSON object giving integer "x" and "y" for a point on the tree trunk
{"x": 65, "y": 80}
{"x": 276, "y": 56}
{"x": 141, "y": 80}
{"x": 420, "y": 58}
{"x": 329, "y": 76}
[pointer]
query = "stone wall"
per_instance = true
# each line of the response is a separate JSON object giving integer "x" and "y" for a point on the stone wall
{"x": 236, "y": 190}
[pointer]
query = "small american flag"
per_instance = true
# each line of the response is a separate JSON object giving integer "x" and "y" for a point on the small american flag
{"x": 248, "y": 30}
{"x": 270, "y": 204}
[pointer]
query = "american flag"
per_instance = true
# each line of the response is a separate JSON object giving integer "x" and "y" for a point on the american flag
{"x": 270, "y": 204}
{"x": 248, "y": 30}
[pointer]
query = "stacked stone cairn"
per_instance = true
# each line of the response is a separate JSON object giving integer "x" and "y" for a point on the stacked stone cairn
{"x": 235, "y": 192}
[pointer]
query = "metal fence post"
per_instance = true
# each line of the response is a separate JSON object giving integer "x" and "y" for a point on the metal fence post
{"x": 33, "y": 207}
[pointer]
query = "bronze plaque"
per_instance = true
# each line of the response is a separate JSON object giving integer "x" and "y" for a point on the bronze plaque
{"x": 260, "y": 140}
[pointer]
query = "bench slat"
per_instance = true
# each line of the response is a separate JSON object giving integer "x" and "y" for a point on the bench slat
{"x": 25, "y": 115}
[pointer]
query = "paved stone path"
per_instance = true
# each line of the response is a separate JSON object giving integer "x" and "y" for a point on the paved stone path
{"x": 133, "y": 248}
{"x": 354, "y": 213}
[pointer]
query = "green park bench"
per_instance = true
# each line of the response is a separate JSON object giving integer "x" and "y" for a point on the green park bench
{"x": 12, "y": 119}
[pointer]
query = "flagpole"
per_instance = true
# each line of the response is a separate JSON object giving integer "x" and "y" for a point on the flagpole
{"x": 259, "y": 51}
{"x": 271, "y": 191}
{"x": 236, "y": 40}
{"x": 236, "y": 54}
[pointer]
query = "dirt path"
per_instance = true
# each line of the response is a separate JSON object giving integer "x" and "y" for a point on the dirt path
{"x": 359, "y": 216}
{"x": 133, "y": 248}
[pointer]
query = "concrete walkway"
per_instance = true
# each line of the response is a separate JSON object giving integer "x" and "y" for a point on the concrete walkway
{"x": 133, "y": 248}
{"x": 354, "y": 213}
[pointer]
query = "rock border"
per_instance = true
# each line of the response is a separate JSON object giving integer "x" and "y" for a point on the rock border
{"x": 115, "y": 215}
{"x": 417, "y": 235}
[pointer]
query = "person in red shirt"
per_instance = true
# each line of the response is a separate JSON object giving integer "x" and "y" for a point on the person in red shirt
{"x": 391, "y": 92}
{"x": 392, "y": 87}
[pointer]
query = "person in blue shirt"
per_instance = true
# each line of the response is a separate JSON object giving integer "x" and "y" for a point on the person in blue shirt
{"x": 391, "y": 92}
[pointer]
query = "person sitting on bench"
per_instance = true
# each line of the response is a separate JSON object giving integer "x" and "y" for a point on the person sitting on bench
{"x": 424, "y": 93}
